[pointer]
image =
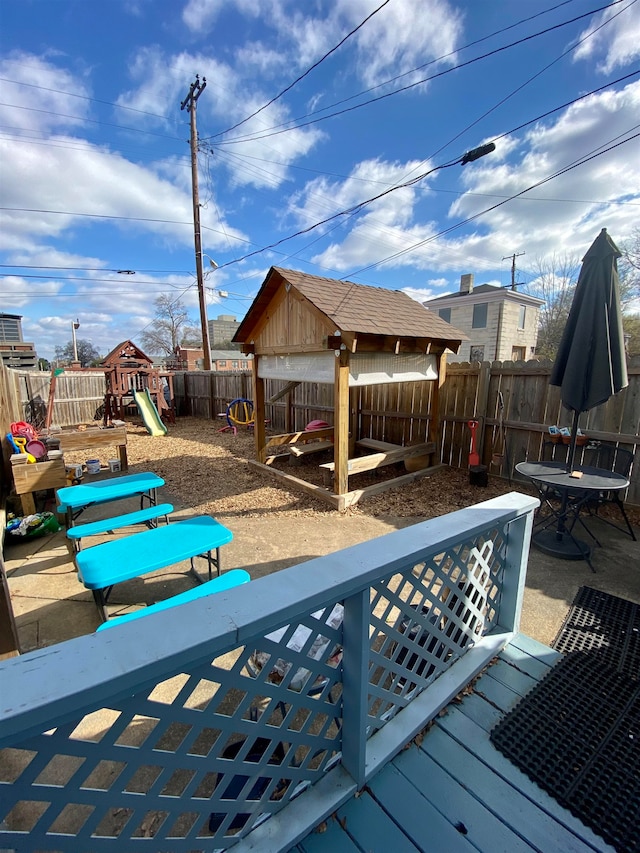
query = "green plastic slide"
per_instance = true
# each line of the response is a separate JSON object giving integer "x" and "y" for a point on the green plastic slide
{"x": 149, "y": 413}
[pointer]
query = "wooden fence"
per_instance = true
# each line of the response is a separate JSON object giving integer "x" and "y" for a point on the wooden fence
{"x": 512, "y": 402}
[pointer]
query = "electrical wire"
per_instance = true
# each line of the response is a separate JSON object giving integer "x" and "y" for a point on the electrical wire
{"x": 419, "y": 67}
{"x": 274, "y": 131}
{"x": 91, "y": 121}
{"x": 305, "y": 73}
{"x": 475, "y": 216}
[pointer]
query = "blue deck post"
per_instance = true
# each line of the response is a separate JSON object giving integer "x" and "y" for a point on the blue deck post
{"x": 355, "y": 679}
{"x": 516, "y": 559}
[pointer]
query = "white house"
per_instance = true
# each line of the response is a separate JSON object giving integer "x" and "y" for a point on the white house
{"x": 501, "y": 323}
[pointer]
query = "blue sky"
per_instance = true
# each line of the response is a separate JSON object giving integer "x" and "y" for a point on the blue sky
{"x": 95, "y": 167}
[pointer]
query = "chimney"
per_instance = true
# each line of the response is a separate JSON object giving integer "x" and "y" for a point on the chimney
{"x": 466, "y": 283}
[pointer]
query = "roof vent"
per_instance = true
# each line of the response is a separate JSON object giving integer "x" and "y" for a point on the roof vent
{"x": 466, "y": 283}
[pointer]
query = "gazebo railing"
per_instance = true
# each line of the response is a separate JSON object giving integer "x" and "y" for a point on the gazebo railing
{"x": 246, "y": 718}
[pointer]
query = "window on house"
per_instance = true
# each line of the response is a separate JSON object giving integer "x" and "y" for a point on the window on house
{"x": 522, "y": 316}
{"x": 476, "y": 353}
{"x": 445, "y": 314}
{"x": 222, "y": 363}
{"x": 234, "y": 364}
{"x": 518, "y": 353}
{"x": 479, "y": 316}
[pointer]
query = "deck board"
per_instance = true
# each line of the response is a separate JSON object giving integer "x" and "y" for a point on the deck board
{"x": 456, "y": 792}
{"x": 543, "y": 828}
{"x": 369, "y": 824}
{"x": 403, "y": 800}
{"x": 482, "y": 829}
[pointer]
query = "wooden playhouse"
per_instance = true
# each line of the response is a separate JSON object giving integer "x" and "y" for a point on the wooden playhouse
{"x": 304, "y": 328}
{"x": 127, "y": 369}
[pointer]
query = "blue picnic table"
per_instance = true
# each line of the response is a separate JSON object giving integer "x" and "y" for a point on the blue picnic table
{"x": 103, "y": 566}
{"x": 73, "y": 500}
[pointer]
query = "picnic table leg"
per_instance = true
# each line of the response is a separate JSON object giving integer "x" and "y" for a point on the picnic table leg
{"x": 211, "y": 561}
{"x": 100, "y": 599}
{"x": 151, "y": 496}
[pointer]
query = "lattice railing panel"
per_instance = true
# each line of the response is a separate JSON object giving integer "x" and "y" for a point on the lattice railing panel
{"x": 424, "y": 619}
{"x": 201, "y": 757}
{"x": 209, "y": 744}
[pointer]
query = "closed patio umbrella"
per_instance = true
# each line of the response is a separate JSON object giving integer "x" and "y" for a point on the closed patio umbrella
{"x": 590, "y": 366}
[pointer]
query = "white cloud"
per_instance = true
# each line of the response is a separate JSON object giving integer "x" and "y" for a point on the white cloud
{"x": 50, "y": 108}
{"x": 616, "y": 44}
{"x": 600, "y": 185}
{"x": 401, "y": 37}
{"x": 420, "y": 294}
{"x": 162, "y": 81}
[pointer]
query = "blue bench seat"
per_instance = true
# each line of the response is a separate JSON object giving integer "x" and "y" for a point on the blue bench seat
{"x": 116, "y": 522}
{"x": 234, "y": 577}
{"x": 110, "y": 563}
{"x": 73, "y": 500}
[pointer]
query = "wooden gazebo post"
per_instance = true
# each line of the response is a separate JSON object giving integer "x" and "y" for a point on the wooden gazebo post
{"x": 341, "y": 423}
{"x": 433, "y": 430}
{"x": 258, "y": 412}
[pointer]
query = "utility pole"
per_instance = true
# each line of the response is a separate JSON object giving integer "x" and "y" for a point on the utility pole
{"x": 189, "y": 104}
{"x": 513, "y": 267}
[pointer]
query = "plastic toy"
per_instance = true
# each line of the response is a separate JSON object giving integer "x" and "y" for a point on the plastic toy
{"x": 21, "y": 441}
{"x": 240, "y": 412}
{"x": 25, "y": 429}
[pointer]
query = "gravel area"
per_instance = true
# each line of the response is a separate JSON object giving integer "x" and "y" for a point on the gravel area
{"x": 207, "y": 470}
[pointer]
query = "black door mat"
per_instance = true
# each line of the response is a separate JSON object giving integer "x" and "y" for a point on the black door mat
{"x": 577, "y": 735}
{"x": 604, "y": 623}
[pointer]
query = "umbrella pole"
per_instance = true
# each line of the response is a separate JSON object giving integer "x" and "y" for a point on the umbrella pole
{"x": 572, "y": 446}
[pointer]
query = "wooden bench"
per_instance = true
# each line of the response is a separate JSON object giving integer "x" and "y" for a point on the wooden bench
{"x": 379, "y": 460}
{"x": 228, "y": 580}
{"x": 117, "y": 522}
{"x": 73, "y": 500}
{"x": 297, "y": 451}
{"x": 102, "y": 567}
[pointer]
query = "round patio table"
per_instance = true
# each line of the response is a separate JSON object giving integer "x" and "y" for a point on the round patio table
{"x": 555, "y": 536}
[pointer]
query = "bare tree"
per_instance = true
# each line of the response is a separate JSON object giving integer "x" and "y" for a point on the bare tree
{"x": 166, "y": 333}
{"x": 554, "y": 281}
{"x": 88, "y": 355}
{"x": 629, "y": 269}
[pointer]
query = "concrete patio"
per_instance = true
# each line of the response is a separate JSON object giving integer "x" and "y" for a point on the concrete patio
{"x": 51, "y": 606}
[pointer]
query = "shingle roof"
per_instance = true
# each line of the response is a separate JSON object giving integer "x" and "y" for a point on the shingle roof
{"x": 361, "y": 309}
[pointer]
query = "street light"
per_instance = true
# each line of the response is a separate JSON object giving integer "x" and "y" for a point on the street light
{"x": 75, "y": 325}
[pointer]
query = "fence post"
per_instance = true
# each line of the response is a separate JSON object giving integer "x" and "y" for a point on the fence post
{"x": 355, "y": 683}
{"x": 482, "y": 401}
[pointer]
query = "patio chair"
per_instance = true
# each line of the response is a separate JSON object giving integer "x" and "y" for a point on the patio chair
{"x": 620, "y": 461}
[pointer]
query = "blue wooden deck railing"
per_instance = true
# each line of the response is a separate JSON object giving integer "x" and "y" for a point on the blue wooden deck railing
{"x": 172, "y": 734}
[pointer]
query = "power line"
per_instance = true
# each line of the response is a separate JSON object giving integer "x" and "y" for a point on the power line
{"x": 274, "y": 131}
{"x": 82, "y": 97}
{"x": 305, "y": 73}
{"x": 469, "y": 157}
{"x": 475, "y": 216}
{"x": 420, "y": 67}
{"x": 92, "y": 121}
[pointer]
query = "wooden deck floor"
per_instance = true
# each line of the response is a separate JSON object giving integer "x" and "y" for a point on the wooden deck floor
{"x": 456, "y": 792}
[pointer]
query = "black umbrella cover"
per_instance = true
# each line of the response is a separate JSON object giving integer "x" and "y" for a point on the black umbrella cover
{"x": 591, "y": 366}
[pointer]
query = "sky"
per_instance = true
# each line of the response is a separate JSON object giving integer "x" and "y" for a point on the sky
{"x": 330, "y": 139}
